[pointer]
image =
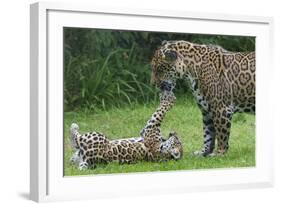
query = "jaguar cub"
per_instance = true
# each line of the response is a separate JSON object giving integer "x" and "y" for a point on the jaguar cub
{"x": 95, "y": 147}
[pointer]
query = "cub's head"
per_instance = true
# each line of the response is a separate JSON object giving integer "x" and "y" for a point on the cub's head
{"x": 172, "y": 146}
{"x": 167, "y": 64}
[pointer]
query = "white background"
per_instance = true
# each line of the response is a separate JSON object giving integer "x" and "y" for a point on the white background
{"x": 14, "y": 101}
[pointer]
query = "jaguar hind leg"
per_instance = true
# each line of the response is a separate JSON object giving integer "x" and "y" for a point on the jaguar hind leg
{"x": 222, "y": 122}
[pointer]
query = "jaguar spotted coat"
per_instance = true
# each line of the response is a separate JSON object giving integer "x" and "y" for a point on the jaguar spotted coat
{"x": 95, "y": 147}
{"x": 222, "y": 82}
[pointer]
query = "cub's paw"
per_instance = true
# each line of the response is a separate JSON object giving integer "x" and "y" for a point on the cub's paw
{"x": 83, "y": 166}
{"x": 166, "y": 86}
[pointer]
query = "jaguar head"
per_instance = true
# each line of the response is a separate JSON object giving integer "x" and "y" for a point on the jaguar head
{"x": 172, "y": 146}
{"x": 167, "y": 64}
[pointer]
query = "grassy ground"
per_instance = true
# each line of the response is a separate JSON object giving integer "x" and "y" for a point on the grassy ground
{"x": 185, "y": 118}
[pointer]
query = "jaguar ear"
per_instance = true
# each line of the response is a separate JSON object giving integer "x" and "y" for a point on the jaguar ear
{"x": 170, "y": 55}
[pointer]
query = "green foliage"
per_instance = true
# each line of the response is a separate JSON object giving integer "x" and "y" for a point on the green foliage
{"x": 111, "y": 81}
{"x": 185, "y": 118}
{"x": 107, "y": 68}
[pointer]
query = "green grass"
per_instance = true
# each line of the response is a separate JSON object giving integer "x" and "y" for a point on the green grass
{"x": 184, "y": 118}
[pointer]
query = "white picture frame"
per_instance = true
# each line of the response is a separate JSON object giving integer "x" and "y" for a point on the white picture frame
{"x": 47, "y": 182}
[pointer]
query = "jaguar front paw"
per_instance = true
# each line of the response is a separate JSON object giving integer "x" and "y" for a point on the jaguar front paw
{"x": 202, "y": 153}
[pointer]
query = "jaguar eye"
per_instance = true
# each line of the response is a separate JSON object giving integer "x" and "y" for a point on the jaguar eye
{"x": 170, "y": 55}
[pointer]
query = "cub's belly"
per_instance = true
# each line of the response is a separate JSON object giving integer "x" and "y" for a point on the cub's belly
{"x": 126, "y": 151}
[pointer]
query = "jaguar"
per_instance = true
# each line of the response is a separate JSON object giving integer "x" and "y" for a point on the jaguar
{"x": 151, "y": 145}
{"x": 222, "y": 82}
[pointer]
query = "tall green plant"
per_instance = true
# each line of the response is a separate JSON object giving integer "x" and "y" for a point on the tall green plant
{"x": 105, "y": 83}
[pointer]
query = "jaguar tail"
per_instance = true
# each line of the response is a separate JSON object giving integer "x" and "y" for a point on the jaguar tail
{"x": 74, "y": 135}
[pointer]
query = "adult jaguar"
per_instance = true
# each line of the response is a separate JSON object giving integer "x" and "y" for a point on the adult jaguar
{"x": 95, "y": 147}
{"x": 222, "y": 82}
